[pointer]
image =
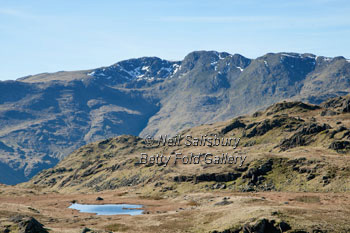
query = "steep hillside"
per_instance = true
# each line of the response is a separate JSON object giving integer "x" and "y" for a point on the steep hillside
{"x": 52, "y": 120}
{"x": 291, "y": 146}
{"x": 45, "y": 117}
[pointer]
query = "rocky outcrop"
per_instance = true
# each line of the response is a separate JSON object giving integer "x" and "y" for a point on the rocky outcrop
{"x": 260, "y": 128}
{"x": 27, "y": 224}
{"x": 339, "y": 130}
{"x": 340, "y": 145}
{"x": 234, "y": 125}
{"x": 328, "y": 112}
{"x": 226, "y": 177}
{"x": 338, "y": 105}
{"x": 261, "y": 226}
{"x": 279, "y": 107}
{"x": 256, "y": 174}
{"x": 303, "y": 136}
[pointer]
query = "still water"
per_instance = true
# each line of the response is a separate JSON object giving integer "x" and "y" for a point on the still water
{"x": 108, "y": 209}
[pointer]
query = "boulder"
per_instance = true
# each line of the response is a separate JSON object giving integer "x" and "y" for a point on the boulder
{"x": 85, "y": 230}
{"x": 261, "y": 226}
{"x": 224, "y": 202}
{"x": 266, "y": 226}
{"x": 27, "y": 224}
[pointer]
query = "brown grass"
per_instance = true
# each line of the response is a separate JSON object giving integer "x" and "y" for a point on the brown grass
{"x": 308, "y": 199}
{"x": 117, "y": 227}
{"x": 192, "y": 203}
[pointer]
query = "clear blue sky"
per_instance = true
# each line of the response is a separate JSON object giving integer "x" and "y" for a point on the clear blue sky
{"x": 46, "y": 36}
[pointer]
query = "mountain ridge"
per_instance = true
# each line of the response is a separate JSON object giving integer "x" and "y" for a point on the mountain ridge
{"x": 39, "y": 77}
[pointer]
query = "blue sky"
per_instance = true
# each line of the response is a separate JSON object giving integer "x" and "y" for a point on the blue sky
{"x": 46, "y": 36}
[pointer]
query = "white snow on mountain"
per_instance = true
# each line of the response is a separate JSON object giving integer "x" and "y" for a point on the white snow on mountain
{"x": 294, "y": 55}
{"x": 240, "y": 68}
{"x": 137, "y": 70}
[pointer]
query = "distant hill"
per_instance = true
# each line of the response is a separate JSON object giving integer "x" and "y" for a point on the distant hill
{"x": 45, "y": 117}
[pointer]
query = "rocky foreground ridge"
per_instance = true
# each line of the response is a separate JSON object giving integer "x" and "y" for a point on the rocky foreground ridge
{"x": 290, "y": 146}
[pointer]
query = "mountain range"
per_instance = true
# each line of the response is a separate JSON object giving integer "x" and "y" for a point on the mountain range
{"x": 45, "y": 117}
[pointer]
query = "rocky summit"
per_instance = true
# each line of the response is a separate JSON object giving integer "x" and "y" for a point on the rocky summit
{"x": 45, "y": 117}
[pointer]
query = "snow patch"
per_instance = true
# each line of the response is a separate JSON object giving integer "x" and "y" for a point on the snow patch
{"x": 146, "y": 68}
{"x": 176, "y": 68}
{"x": 291, "y": 55}
{"x": 166, "y": 69}
{"x": 135, "y": 73}
{"x": 132, "y": 72}
{"x": 214, "y": 63}
{"x": 311, "y": 56}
